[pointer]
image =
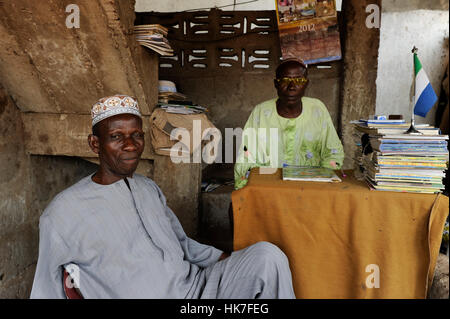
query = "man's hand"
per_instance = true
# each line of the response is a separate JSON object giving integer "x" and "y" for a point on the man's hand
{"x": 333, "y": 164}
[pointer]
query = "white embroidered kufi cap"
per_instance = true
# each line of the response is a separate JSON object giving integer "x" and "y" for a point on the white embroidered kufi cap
{"x": 114, "y": 105}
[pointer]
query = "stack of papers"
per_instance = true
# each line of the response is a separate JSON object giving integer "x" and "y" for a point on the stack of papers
{"x": 182, "y": 108}
{"x": 403, "y": 162}
{"x": 309, "y": 174}
{"x": 399, "y": 128}
{"x": 153, "y": 36}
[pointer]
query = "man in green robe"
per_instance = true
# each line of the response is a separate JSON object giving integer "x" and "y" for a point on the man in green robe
{"x": 304, "y": 131}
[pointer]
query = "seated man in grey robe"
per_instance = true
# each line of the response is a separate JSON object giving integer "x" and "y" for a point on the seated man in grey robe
{"x": 116, "y": 229}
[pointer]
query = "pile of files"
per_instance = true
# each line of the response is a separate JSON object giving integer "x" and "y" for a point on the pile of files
{"x": 402, "y": 162}
{"x": 381, "y": 127}
{"x": 153, "y": 36}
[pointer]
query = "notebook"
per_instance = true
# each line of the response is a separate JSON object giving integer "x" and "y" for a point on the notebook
{"x": 310, "y": 174}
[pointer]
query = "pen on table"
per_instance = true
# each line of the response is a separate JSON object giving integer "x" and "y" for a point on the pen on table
{"x": 343, "y": 174}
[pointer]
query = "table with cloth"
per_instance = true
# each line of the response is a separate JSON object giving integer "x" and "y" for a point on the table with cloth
{"x": 334, "y": 234}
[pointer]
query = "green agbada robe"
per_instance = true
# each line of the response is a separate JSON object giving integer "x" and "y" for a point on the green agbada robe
{"x": 307, "y": 140}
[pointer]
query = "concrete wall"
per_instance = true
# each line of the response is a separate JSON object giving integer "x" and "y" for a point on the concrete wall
{"x": 49, "y": 73}
{"x": 360, "y": 71}
{"x": 47, "y": 67}
{"x": 18, "y": 232}
{"x": 405, "y": 24}
{"x": 55, "y": 73}
{"x": 27, "y": 185}
{"x": 232, "y": 97}
{"x": 410, "y": 5}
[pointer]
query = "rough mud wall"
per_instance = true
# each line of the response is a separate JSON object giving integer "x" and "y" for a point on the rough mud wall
{"x": 68, "y": 68}
{"x": 358, "y": 94}
{"x": 50, "y": 69}
{"x": 27, "y": 185}
{"x": 18, "y": 232}
{"x": 232, "y": 97}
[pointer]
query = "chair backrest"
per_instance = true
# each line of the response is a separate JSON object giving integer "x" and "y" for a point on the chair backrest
{"x": 69, "y": 289}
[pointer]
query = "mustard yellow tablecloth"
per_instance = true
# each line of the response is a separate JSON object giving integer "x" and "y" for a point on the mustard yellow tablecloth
{"x": 332, "y": 231}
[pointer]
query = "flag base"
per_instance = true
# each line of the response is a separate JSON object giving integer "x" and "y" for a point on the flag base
{"x": 412, "y": 130}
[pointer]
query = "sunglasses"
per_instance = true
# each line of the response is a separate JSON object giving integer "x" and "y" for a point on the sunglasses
{"x": 297, "y": 81}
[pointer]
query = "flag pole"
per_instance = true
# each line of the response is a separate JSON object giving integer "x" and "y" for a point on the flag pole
{"x": 412, "y": 129}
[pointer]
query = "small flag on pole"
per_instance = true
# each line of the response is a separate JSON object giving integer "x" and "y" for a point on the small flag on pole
{"x": 425, "y": 97}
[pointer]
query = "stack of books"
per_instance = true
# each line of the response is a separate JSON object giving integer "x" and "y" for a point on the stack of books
{"x": 402, "y": 162}
{"x": 153, "y": 36}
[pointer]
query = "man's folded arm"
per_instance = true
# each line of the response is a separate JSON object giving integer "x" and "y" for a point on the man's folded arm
{"x": 196, "y": 253}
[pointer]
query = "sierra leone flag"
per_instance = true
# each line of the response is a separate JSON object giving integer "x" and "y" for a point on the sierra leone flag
{"x": 425, "y": 97}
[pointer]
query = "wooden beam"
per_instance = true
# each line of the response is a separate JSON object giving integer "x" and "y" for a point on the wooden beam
{"x": 65, "y": 134}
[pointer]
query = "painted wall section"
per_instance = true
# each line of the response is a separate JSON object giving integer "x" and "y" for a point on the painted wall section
{"x": 399, "y": 32}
